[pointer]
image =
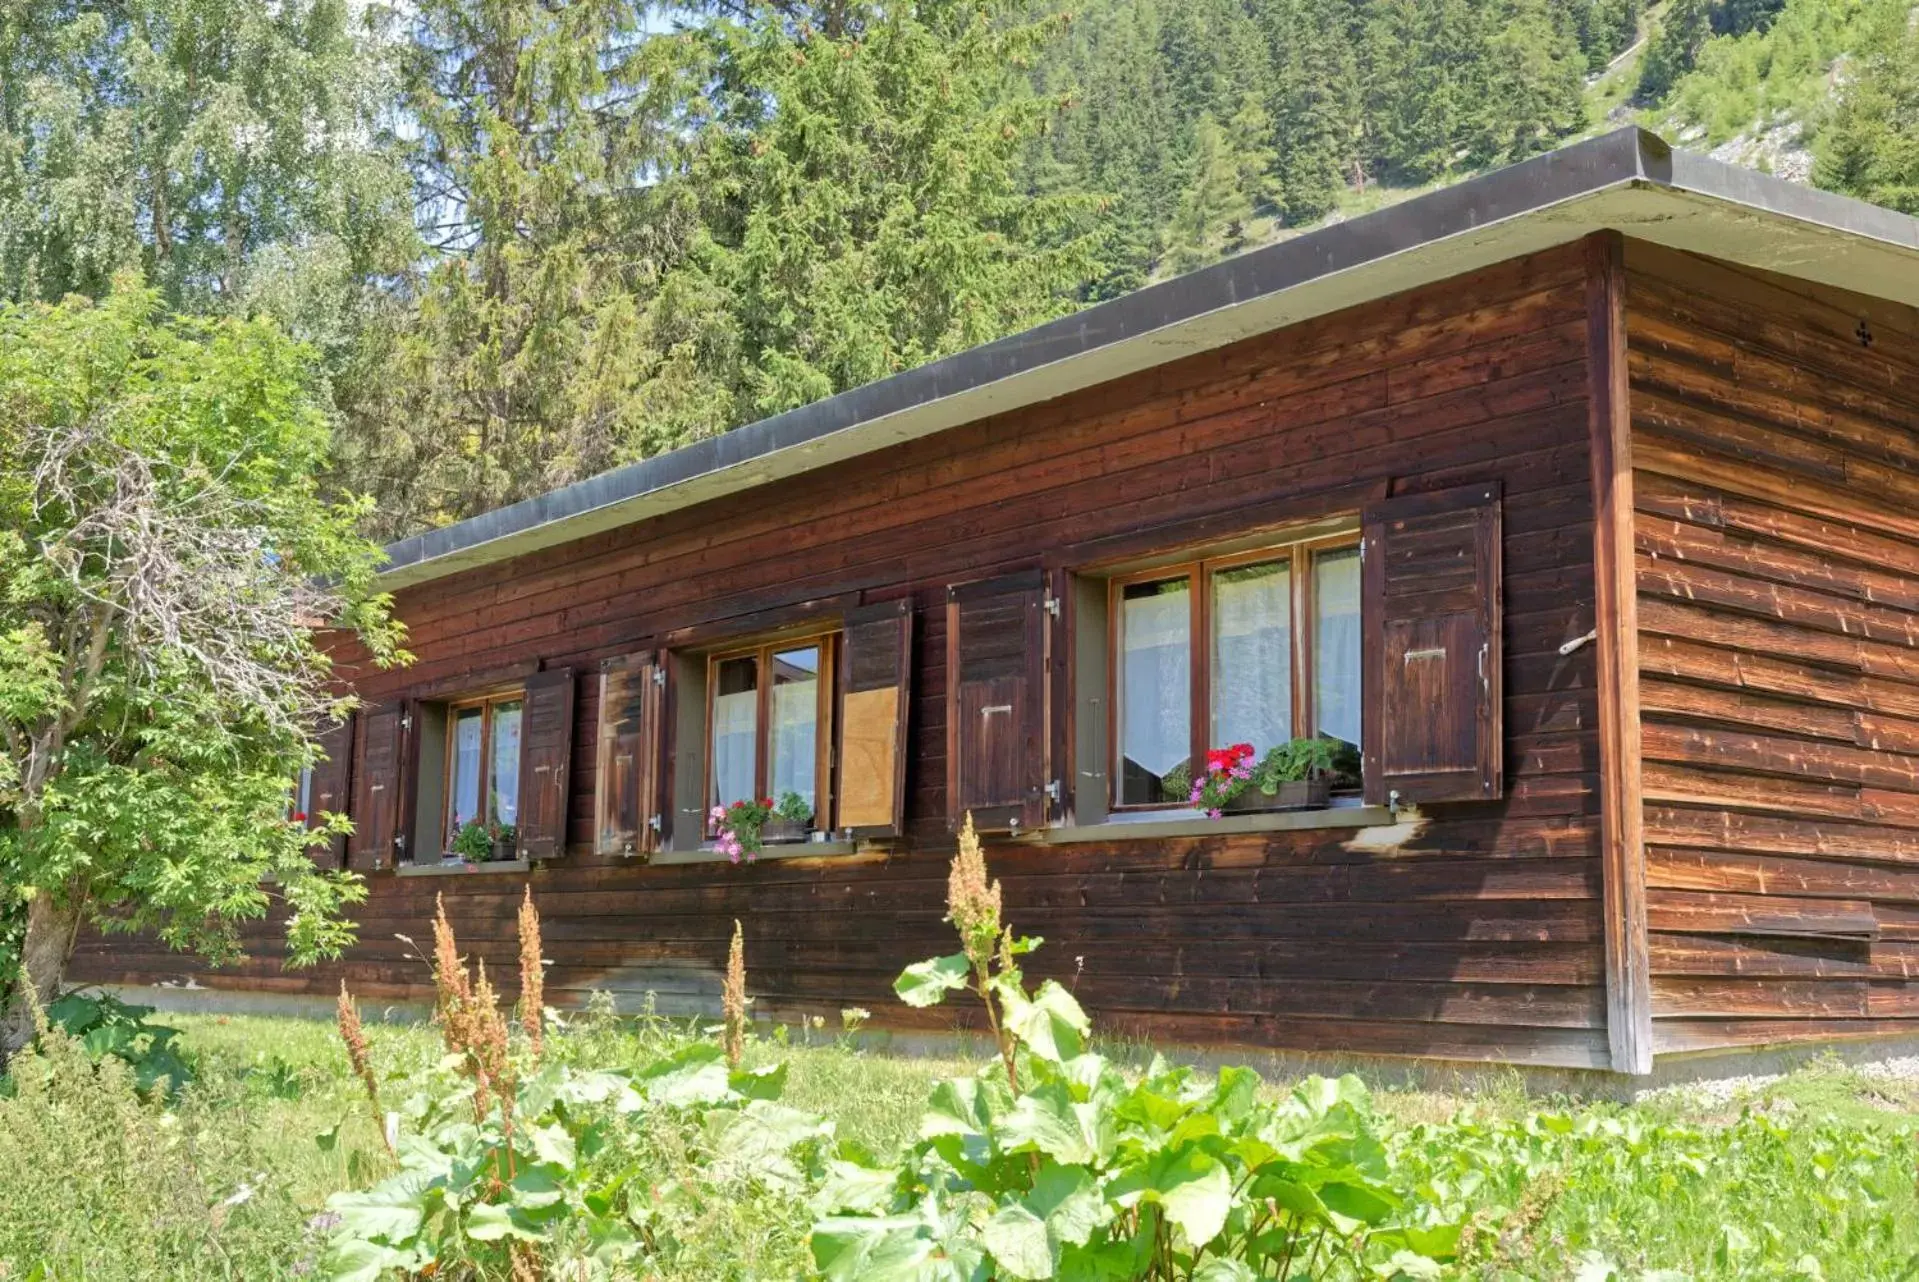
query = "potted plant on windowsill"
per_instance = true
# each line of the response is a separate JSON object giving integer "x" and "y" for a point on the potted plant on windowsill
{"x": 473, "y": 844}
{"x": 742, "y": 829}
{"x": 478, "y": 843}
{"x": 791, "y": 820}
{"x": 1296, "y": 775}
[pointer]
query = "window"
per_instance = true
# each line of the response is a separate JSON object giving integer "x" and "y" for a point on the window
{"x": 769, "y": 729}
{"x": 303, "y": 795}
{"x": 1258, "y": 647}
{"x": 482, "y": 764}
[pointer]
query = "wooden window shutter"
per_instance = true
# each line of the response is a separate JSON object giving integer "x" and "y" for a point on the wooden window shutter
{"x": 546, "y": 754}
{"x": 379, "y": 788}
{"x": 328, "y": 794}
{"x": 628, "y": 808}
{"x": 876, "y": 692}
{"x": 996, "y": 698}
{"x": 1431, "y": 656}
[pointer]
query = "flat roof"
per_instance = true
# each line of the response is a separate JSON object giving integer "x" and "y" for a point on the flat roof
{"x": 1630, "y": 181}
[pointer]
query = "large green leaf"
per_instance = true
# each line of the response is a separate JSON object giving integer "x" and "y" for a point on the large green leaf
{"x": 692, "y": 1077}
{"x": 901, "y": 1248}
{"x": 1191, "y": 1185}
{"x": 381, "y": 1213}
{"x": 357, "y": 1260}
{"x": 1068, "y": 1199}
{"x": 849, "y": 1186}
{"x": 1050, "y": 1024}
{"x": 1019, "y": 1243}
{"x": 1220, "y": 1269}
{"x": 487, "y": 1222}
{"x": 553, "y": 1144}
{"x": 538, "y": 1187}
{"x": 1048, "y": 1119}
{"x": 927, "y": 983}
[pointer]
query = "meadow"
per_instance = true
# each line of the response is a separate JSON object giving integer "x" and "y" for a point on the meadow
{"x": 1802, "y": 1177}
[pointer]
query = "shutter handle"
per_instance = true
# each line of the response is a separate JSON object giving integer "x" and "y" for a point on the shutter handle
{"x": 1484, "y": 684}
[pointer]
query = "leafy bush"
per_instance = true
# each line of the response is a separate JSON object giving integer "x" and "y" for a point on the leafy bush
{"x": 107, "y": 1027}
{"x": 1050, "y": 1164}
{"x": 564, "y": 1175}
{"x": 109, "y": 1182}
{"x": 512, "y": 1162}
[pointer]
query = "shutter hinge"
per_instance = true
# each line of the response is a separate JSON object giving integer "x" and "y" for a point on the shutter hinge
{"x": 659, "y": 676}
{"x": 653, "y": 822}
{"x": 406, "y": 721}
{"x": 1052, "y": 791}
{"x": 1051, "y": 603}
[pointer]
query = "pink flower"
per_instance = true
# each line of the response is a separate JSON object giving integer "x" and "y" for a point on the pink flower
{"x": 1212, "y": 814}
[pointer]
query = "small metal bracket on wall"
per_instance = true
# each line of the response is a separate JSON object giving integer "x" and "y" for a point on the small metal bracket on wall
{"x": 1577, "y": 642}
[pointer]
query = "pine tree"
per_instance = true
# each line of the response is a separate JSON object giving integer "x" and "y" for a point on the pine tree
{"x": 858, "y": 196}
{"x": 1213, "y": 203}
{"x": 537, "y": 135}
{"x": 1870, "y": 147}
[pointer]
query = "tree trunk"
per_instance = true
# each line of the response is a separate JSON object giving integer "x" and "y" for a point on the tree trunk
{"x": 49, "y": 943}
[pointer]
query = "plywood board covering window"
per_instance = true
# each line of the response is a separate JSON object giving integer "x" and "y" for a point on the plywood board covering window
{"x": 769, "y": 726}
{"x": 482, "y": 772}
{"x": 1257, "y": 647}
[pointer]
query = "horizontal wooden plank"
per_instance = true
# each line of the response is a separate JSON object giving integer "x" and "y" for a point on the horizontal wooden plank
{"x": 1788, "y": 758}
{"x": 1696, "y": 912}
{"x": 1773, "y": 957}
{"x": 1681, "y": 1036}
{"x": 1682, "y": 701}
{"x": 1719, "y": 870}
{"x": 1707, "y": 828}
{"x": 1759, "y": 998}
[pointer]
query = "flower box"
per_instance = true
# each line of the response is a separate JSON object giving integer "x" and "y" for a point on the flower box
{"x": 1294, "y": 794}
{"x": 778, "y": 830}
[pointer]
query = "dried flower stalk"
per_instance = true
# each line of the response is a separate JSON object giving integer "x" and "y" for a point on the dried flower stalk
{"x": 972, "y": 904}
{"x": 453, "y": 990}
{"x": 733, "y": 999}
{"x": 532, "y": 977}
{"x": 360, "y": 1056}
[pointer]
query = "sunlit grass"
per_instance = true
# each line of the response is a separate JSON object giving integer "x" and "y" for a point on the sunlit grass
{"x": 1814, "y": 1170}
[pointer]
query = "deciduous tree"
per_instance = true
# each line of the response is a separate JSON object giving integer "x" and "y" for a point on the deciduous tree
{"x": 164, "y": 558}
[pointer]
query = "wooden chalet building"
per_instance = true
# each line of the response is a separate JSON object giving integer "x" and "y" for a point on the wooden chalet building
{"x": 1582, "y": 499}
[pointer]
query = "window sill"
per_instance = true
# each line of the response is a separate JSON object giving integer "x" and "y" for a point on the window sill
{"x": 455, "y": 870}
{"x": 784, "y": 850}
{"x": 1196, "y": 825}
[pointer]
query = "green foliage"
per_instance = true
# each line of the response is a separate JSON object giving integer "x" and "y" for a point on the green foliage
{"x": 1752, "y": 66}
{"x": 1054, "y": 1164}
{"x": 106, "y": 1026}
{"x": 225, "y": 1180}
{"x": 1297, "y": 760}
{"x": 474, "y": 842}
{"x": 1870, "y": 145}
{"x": 794, "y": 808}
{"x": 570, "y": 1174}
{"x": 164, "y": 550}
{"x": 855, "y": 172}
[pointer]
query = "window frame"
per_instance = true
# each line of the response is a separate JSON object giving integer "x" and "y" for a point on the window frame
{"x": 1299, "y": 555}
{"x": 453, "y": 708}
{"x": 762, "y": 652}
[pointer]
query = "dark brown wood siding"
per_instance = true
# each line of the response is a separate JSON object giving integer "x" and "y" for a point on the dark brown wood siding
{"x": 1776, "y": 494}
{"x": 1473, "y": 931}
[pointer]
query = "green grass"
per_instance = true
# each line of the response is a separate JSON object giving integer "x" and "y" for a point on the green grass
{"x": 1811, "y": 1175}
